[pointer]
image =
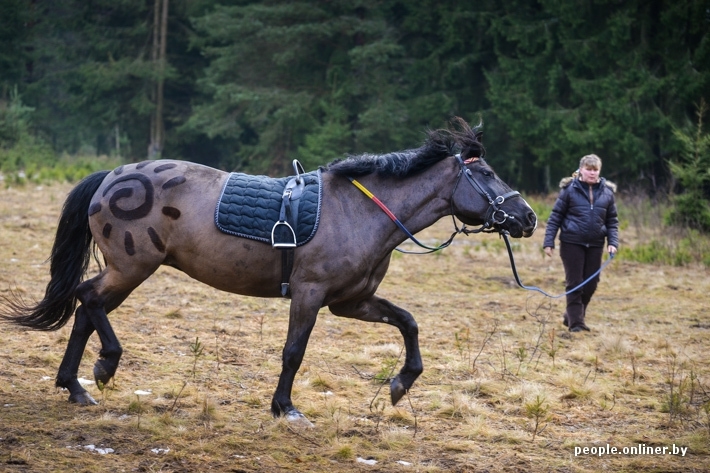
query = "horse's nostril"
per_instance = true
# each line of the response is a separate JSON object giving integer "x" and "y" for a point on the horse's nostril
{"x": 532, "y": 218}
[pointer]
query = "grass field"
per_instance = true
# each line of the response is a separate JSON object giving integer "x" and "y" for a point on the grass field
{"x": 505, "y": 387}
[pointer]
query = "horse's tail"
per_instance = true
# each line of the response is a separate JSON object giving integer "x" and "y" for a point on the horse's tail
{"x": 69, "y": 261}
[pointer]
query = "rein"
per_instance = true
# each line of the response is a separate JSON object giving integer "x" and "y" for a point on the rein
{"x": 494, "y": 215}
{"x": 504, "y": 234}
{"x": 401, "y": 226}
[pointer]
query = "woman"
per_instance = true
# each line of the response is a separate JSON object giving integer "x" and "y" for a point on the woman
{"x": 585, "y": 214}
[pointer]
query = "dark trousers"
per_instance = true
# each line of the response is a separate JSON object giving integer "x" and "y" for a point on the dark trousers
{"x": 580, "y": 262}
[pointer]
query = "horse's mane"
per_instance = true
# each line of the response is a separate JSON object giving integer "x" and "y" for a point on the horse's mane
{"x": 439, "y": 144}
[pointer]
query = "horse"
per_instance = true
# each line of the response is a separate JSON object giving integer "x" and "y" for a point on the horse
{"x": 160, "y": 212}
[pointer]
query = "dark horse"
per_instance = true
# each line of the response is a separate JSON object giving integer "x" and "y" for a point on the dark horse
{"x": 157, "y": 213}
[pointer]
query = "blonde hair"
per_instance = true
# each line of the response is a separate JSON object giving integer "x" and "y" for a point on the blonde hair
{"x": 590, "y": 161}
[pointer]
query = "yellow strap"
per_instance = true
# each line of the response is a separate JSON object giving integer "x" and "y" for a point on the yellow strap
{"x": 362, "y": 188}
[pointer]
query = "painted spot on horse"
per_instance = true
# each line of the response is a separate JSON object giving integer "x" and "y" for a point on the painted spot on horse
{"x": 142, "y": 164}
{"x": 106, "y": 232}
{"x": 171, "y": 212}
{"x": 118, "y": 170}
{"x": 164, "y": 167}
{"x": 128, "y": 244}
{"x": 126, "y": 192}
{"x": 175, "y": 181}
{"x": 95, "y": 208}
{"x": 155, "y": 238}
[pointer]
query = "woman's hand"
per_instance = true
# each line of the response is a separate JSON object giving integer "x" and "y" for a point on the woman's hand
{"x": 548, "y": 250}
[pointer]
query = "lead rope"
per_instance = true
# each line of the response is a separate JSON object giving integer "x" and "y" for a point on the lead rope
{"x": 535, "y": 288}
{"x": 467, "y": 231}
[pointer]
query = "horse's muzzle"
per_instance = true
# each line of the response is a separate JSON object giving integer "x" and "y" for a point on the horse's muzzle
{"x": 520, "y": 227}
{"x": 530, "y": 224}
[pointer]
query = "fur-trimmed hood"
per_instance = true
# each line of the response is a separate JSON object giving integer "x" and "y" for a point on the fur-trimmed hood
{"x": 566, "y": 181}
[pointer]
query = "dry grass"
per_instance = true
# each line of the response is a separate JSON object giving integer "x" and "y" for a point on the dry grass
{"x": 505, "y": 388}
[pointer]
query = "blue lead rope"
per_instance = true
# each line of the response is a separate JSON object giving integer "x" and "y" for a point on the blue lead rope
{"x": 535, "y": 288}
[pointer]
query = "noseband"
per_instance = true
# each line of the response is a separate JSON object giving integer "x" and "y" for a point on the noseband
{"x": 495, "y": 215}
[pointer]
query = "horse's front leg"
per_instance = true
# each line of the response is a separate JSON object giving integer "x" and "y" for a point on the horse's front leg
{"x": 376, "y": 309}
{"x": 302, "y": 318}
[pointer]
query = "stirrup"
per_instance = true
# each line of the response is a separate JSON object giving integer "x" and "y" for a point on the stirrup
{"x": 291, "y": 244}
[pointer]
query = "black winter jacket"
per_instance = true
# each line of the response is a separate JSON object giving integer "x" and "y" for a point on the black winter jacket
{"x": 581, "y": 220}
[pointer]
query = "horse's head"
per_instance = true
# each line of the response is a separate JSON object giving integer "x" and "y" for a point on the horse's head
{"x": 482, "y": 198}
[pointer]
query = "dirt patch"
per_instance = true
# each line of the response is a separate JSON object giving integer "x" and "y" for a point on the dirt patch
{"x": 505, "y": 388}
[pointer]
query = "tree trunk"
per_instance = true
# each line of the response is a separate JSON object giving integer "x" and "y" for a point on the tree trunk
{"x": 158, "y": 56}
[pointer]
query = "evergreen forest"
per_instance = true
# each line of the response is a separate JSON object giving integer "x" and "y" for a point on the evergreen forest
{"x": 251, "y": 85}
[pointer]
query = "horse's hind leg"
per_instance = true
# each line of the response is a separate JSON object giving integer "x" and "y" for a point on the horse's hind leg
{"x": 376, "y": 309}
{"x": 67, "y": 375}
{"x": 97, "y": 308}
{"x": 91, "y": 315}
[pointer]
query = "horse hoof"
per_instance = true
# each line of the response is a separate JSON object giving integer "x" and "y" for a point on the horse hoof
{"x": 83, "y": 399}
{"x": 294, "y": 417}
{"x": 101, "y": 375}
{"x": 397, "y": 390}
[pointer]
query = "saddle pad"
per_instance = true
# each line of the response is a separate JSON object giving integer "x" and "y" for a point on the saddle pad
{"x": 250, "y": 205}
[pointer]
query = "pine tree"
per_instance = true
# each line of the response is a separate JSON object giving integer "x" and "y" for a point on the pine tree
{"x": 691, "y": 207}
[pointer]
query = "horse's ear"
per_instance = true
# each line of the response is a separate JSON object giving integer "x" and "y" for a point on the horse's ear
{"x": 479, "y": 136}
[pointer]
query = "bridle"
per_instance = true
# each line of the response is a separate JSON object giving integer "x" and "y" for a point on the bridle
{"x": 495, "y": 215}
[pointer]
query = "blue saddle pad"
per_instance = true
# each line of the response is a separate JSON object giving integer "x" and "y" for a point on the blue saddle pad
{"x": 250, "y": 205}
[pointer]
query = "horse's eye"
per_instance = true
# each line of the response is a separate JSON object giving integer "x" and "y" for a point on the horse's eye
{"x": 486, "y": 172}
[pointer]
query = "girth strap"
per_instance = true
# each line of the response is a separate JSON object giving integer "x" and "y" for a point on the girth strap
{"x": 283, "y": 235}
{"x": 286, "y": 268}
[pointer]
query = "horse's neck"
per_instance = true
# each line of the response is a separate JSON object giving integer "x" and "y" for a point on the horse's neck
{"x": 418, "y": 201}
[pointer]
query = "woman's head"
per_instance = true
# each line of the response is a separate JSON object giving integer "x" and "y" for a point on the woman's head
{"x": 589, "y": 168}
